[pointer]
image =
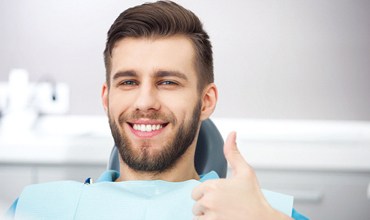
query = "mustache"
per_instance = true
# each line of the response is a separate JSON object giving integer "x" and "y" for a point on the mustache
{"x": 152, "y": 115}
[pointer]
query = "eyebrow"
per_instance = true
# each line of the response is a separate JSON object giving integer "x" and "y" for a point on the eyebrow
{"x": 158, "y": 74}
{"x": 161, "y": 74}
{"x": 128, "y": 73}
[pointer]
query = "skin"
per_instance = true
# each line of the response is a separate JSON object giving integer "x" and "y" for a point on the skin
{"x": 238, "y": 197}
{"x": 138, "y": 85}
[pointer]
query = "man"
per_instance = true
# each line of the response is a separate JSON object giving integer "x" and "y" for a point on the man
{"x": 159, "y": 87}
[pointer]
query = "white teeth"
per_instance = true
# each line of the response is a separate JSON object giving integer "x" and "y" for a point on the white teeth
{"x": 146, "y": 128}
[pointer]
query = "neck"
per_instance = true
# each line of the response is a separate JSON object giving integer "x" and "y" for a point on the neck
{"x": 182, "y": 170}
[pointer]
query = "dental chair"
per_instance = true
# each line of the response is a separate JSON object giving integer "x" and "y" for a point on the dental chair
{"x": 208, "y": 154}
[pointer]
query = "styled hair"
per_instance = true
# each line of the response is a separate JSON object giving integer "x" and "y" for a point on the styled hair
{"x": 163, "y": 19}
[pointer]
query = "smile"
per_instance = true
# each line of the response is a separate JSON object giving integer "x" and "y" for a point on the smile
{"x": 146, "y": 128}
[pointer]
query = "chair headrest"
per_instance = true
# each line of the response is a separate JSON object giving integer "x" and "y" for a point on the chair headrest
{"x": 209, "y": 154}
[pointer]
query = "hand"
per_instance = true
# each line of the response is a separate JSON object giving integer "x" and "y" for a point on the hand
{"x": 238, "y": 197}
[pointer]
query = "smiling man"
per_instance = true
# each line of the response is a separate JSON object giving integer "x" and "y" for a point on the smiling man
{"x": 159, "y": 88}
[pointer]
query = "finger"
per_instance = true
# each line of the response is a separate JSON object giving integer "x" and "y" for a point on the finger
{"x": 199, "y": 217}
{"x": 199, "y": 191}
{"x": 237, "y": 162}
{"x": 198, "y": 209}
{"x": 208, "y": 215}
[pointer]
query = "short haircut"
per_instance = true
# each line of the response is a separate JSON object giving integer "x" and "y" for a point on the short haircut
{"x": 163, "y": 19}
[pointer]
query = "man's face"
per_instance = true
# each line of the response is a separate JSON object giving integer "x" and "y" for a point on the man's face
{"x": 153, "y": 103}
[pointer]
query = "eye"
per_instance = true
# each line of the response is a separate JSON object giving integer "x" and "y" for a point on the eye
{"x": 167, "y": 82}
{"x": 128, "y": 83}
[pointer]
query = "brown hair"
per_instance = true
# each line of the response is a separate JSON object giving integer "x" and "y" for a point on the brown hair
{"x": 163, "y": 19}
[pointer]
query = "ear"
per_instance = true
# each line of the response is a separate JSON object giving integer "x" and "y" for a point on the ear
{"x": 104, "y": 97}
{"x": 209, "y": 101}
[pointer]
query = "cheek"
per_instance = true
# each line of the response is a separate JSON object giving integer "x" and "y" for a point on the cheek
{"x": 117, "y": 104}
{"x": 182, "y": 107}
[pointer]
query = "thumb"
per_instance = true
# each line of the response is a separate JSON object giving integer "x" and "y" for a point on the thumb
{"x": 232, "y": 154}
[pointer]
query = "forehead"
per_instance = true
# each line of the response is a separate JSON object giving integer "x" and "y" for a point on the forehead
{"x": 148, "y": 55}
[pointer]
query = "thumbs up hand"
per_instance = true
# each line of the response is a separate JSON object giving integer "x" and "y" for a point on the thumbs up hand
{"x": 238, "y": 197}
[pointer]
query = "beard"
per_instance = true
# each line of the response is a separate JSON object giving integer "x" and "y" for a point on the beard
{"x": 145, "y": 161}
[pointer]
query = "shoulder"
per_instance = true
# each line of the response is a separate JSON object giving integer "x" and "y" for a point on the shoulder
{"x": 47, "y": 189}
{"x": 47, "y": 197}
{"x": 37, "y": 194}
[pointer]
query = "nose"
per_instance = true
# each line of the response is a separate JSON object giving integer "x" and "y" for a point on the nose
{"x": 147, "y": 98}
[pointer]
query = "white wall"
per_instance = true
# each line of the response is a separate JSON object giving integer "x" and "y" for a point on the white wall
{"x": 273, "y": 59}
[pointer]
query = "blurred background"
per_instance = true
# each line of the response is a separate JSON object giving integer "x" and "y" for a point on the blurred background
{"x": 293, "y": 79}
